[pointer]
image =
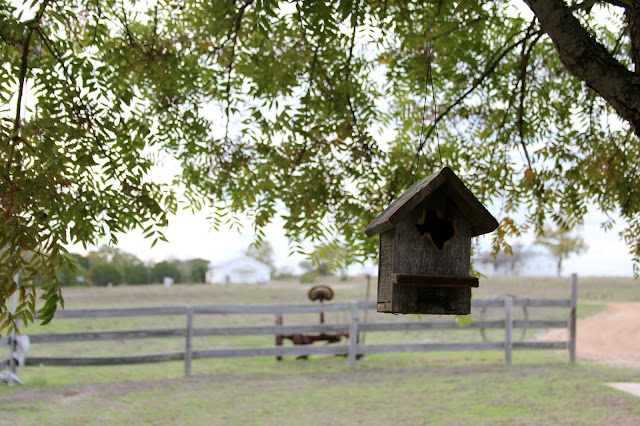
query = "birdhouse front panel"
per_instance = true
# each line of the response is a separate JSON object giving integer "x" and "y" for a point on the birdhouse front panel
{"x": 425, "y": 247}
{"x": 433, "y": 240}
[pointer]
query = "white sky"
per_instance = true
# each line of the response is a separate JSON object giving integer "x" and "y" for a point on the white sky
{"x": 189, "y": 236}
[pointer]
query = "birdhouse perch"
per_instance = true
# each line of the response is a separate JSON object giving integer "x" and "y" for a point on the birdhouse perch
{"x": 425, "y": 247}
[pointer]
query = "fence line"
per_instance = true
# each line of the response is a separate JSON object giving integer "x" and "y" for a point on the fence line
{"x": 352, "y": 349}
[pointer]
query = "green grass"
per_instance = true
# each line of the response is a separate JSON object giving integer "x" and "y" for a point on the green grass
{"x": 461, "y": 388}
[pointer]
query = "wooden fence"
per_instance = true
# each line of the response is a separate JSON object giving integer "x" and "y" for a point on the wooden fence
{"x": 352, "y": 348}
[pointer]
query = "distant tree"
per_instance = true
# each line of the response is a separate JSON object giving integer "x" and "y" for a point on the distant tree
{"x": 127, "y": 263}
{"x": 262, "y": 252}
{"x": 80, "y": 260}
{"x": 136, "y": 274}
{"x": 561, "y": 244}
{"x": 73, "y": 273}
{"x": 115, "y": 255}
{"x": 198, "y": 270}
{"x": 103, "y": 273}
{"x": 166, "y": 269}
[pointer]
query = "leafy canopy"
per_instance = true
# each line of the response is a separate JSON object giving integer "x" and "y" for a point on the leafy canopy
{"x": 321, "y": 112}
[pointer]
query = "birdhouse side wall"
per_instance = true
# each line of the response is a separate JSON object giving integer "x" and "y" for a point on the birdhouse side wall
{"x": 385, "y": 269}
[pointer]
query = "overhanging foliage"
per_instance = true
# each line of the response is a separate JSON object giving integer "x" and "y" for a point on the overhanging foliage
{"x": 274, "y": 107}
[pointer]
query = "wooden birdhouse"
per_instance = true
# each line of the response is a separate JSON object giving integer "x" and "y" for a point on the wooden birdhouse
{"x": 425, "y": 247}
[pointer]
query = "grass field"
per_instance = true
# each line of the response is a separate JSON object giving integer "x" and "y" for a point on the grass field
{"x": 424, "y": 388}
{"x": 412, "y": 389}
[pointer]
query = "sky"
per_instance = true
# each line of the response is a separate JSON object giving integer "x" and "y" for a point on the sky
{"x": 190, "y": 236}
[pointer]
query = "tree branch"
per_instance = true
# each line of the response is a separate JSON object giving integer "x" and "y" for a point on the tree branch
{"x": 589, "y": 60}
{"x": 633, "y": 20}
{"x": 88, "y": 116}
{"x": 236, "y": 30}
{"x": 526, "y": 55}
{"x": 32, "y": 26}
{"x": 477, "y": 82}
{"x": 349, "y": 59}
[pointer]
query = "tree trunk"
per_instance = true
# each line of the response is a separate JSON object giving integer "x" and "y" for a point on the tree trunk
{"x": 632, "y": 13}
{"x": 589, "y": 60}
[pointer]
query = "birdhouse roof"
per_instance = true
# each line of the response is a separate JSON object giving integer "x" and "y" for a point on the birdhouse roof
{"x": 445, "y": 180}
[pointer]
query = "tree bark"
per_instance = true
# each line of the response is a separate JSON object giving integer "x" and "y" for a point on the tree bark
{"x": 589, "y": 60}
{"x": 632, "y": 13}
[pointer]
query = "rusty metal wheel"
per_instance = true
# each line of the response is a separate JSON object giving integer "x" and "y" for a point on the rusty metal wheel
{"x": 320, "y": 292}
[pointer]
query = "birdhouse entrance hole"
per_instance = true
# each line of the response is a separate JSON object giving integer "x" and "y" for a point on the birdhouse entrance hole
{"x": 434, "y": 225}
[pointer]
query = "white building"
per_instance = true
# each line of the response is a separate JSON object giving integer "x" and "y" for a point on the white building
{"x": 243, "y": 270}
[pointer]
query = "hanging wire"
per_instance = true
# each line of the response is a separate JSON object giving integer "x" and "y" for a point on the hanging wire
{"x": 428, "y": 82}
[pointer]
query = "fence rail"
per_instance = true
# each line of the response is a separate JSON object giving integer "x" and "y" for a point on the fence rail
{"x": 352, "y": 349}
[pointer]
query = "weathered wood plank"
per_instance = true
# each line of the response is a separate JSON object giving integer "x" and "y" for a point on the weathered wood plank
{"x": 367, "y": 304}
{"x": 4, "y": 363}
{"x": 540, "y": 324}
{"x": 404, "y": 203}
{"x": 205, "y": 309}
{"x": 482, "y": 221}
{"x": 428, "y": 325}
{"x": 430, "y": 347}
{"x": 271, "y": 351}
{"x": 286, "y": 350}
{"x": 106, "y": 335}
{"x": 385, "y": 268}
{"x": 120, "y": 312}
{"x": 487, "y": 303}
{"x": 188, "y": 349}
{"x": 119, "y": 360}
{"x": 271, "y": 309}
{"x": 541, "y": 302}
{"x": 508, "y": 330}
{"x": 434, "y": 280}
{"x": 181, "y": 332}
{"x": 448, "y": 182}
{"x": 540, "y": 345}
{"x": 272, "y": 329}
{"x": 353, "y": 336}
{"x": 573, "y": 306}
{"x": 497, "y": 303}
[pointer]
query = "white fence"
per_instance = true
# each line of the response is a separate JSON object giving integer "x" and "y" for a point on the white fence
{"x": 352, "y": 348}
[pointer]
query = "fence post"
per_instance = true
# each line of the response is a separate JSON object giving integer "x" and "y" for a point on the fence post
{"x": 508, "y": 328}
{"x": 12, "y": 336}
{"x": 571, "y": 344}
{"x": 12, "y": 361}
{"x": 353, "y": 336}
{"x": 188, "y": 344}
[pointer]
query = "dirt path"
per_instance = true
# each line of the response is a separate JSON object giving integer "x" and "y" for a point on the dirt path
{"x": 611, "y": 337}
